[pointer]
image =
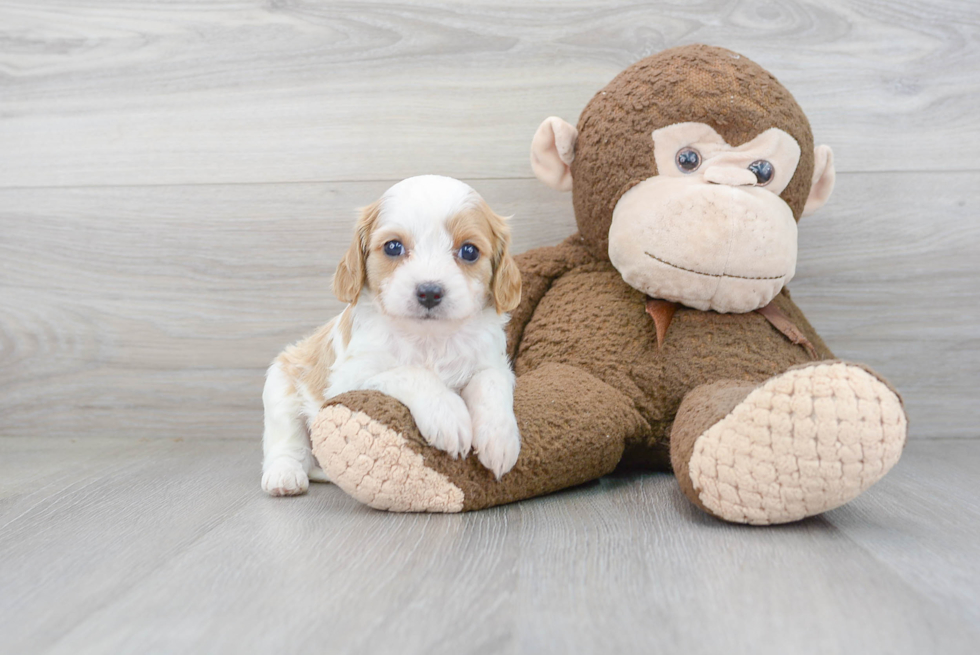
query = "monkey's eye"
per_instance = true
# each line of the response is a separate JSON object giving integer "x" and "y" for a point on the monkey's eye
{"x": 763, "y": 171}
{"x": 394, "y": 248}
{"x": 468, "y": 252}
{"x": 688, "y": 160}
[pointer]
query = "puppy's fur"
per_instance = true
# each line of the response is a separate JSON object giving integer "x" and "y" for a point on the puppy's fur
{"x": 443, "y": 358}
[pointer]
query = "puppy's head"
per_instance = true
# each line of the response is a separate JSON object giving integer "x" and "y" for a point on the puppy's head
{"x": 430, "y": 248}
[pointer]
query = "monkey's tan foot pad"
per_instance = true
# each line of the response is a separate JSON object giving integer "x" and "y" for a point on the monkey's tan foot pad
{"x": 374, "y": 464}
{"x": 802, "y": 443}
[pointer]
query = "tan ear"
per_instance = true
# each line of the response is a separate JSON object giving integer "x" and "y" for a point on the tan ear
{"x": 506, "y": 284}
{"x": 823, "y": 179}
{"x": 351, "y": 271}
{"x": 552, "y": 153}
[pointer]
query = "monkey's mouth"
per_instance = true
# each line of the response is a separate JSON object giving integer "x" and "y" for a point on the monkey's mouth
{"x": 727, "y": 275}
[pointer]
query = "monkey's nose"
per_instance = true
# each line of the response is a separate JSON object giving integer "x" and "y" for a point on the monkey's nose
{"x": 730, "y": 175}
{"x": 429, "y": 294}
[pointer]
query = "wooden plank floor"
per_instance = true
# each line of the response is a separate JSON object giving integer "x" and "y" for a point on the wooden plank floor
{"x": 168, "y": 546}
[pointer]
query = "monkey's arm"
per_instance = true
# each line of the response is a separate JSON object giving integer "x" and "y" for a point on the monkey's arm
{"x": 539, "y": 269}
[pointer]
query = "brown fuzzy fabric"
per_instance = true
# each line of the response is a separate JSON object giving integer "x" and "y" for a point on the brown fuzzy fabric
{"x": 574, "y": 428}
{"x": 537, "y": 274}
{"x": 594, "y": 389}
{"x": 695, "y": 83}
{"x": 701, "y": 409}
{"x": 592, "y": 320}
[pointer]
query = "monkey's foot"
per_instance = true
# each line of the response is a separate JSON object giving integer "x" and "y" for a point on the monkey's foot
{"x": 369, "y": 446}
{"x": 375, "y": 465}
{"x": 802, "y": 443}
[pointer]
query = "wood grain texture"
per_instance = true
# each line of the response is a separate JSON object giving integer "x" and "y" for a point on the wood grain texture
{"x": 161, "y": 546}
{"x": 888, "y": 274}
{"x": 153, "y": 311}
{"x": 121, "y": 92}
{"x": 177, "y": 183}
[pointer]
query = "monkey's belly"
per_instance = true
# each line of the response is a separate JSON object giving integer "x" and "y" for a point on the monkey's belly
{"x": 590, "y": 318}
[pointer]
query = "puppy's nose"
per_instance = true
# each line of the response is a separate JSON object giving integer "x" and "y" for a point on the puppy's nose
{"x": 429, "y": 294}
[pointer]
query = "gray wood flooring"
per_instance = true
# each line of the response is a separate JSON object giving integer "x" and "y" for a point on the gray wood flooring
{"x": 169, "y": 546}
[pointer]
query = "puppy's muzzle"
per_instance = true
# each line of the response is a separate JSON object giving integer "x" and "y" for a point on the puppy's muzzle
{"x": 429, "y": 294}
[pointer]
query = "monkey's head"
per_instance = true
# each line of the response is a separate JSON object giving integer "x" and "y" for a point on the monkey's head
{"x": 691, "y": 169}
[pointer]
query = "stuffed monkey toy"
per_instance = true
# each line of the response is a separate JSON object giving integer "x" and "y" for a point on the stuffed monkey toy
{"x": 661, "y": 335}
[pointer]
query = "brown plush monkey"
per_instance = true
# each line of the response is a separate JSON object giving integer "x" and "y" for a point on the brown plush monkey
{"x": 661, "y": 335}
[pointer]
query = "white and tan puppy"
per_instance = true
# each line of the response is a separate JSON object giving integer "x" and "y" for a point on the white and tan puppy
{"x": 429, "y": 280}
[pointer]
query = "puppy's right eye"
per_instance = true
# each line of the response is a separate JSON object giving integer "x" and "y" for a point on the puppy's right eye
{"x": 394, "y": 248}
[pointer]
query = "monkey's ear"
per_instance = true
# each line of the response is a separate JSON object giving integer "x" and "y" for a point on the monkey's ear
{"x": 823, "y": 179}
{"x": 552, "y": 153}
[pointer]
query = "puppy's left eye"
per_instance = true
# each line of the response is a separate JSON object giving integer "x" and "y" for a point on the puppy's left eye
{"x": 394, "y": 248}
{"x": 468, "y": 252}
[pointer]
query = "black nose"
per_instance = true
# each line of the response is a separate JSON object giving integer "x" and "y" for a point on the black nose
{"x": 429, "y": 294}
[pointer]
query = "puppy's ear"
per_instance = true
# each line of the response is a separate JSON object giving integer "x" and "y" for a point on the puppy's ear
{"x": 352, "y": 271}
{"x": 505, "y": 285}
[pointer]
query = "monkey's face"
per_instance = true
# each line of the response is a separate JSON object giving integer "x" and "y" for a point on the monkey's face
{"x": 709, "y": 230}
{"x": 690, "y": 171}
{"x": 676, "y": 182}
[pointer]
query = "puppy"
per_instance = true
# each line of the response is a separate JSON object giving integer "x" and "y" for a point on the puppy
{"x": 429, "y": 279}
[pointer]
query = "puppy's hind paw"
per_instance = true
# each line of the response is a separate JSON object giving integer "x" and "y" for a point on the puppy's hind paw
{"x": 285, "y": 477}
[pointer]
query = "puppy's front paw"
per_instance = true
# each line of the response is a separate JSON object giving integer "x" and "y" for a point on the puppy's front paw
{"x": 285, "y": 476}
{"x": 496, "y": 439}
{"x": 445, "y": 423}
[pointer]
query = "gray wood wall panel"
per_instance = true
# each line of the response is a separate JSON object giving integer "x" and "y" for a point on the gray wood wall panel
{"x": 152, "y": 311}
{"x": 889, "y": 274}
{"x": 177, "y": 181}
{"x": 124, "y": 92}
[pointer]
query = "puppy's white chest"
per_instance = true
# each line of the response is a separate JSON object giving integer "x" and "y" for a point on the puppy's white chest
{"x": 451, "y": 352}
{"x": 453, "y": 359}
